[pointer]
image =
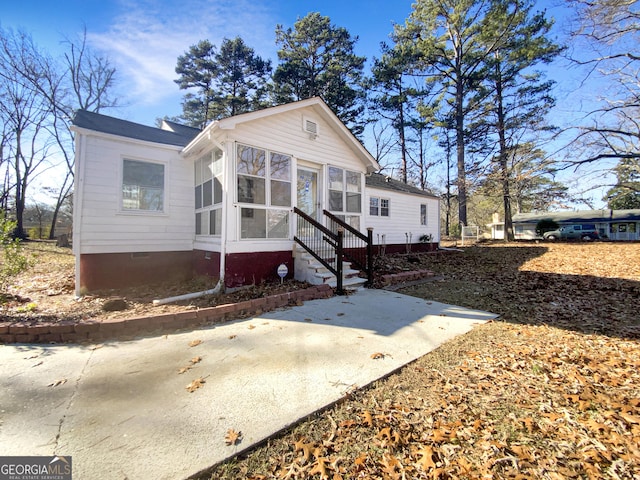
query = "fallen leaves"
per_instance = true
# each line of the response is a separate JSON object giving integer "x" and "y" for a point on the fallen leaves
{"x": 57, "y": 383}
{"x": 232, "y": 437}
{"x": 195, "y": 384}
{"x": 553, "y": 393}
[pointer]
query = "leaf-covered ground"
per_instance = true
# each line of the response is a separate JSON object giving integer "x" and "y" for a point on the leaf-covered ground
{"x": 46, "y": 292}
{"x": 550, "y": 390}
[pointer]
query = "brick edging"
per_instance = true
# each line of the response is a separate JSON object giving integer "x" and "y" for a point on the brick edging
{"x": 403, "y": 277}
{"x": 111, "y": 328}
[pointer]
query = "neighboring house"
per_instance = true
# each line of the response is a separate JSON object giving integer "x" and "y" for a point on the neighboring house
{"x": 169, "y": 203}
{"x": 496, "y": 227}
{"x": 612, "y": 224}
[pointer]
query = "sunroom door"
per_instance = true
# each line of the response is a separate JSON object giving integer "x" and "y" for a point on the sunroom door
{"x": 308, "y": 198}
{"x": 308, "y": 192}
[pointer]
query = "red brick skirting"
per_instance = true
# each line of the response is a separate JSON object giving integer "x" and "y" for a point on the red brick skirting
{"x": 91, "y": 330}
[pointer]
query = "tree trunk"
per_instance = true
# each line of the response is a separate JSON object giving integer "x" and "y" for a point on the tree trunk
{"x": 504, "y": 166}
{"x": 462, "y": 173}
{"x": 403, "y": 141}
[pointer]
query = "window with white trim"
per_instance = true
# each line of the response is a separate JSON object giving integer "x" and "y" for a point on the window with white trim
{"x": 208, "y": 193}
{"x": 142, "y": 186}
{"x": 423, "y": 214}
{"x": 345, "y": 195}
{"x": 263, "y": 192}
{"x": 378, "y": 207}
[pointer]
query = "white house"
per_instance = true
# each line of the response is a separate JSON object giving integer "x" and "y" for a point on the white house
{"x": 621, "y": 225}
{"x": 168, "y": 203}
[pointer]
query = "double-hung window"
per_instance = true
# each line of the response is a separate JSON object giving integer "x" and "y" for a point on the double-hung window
{"x": 345, "y": 195}
{"x": 263, "y": 192}
{"x": 378, "y": 207}
{"x": 142, "y": 186}
{"x": 423, "y": 214}
{"x": 208, "y": 193}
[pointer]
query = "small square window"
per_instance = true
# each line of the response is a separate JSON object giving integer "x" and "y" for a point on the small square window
{"x": 142, "y": 186}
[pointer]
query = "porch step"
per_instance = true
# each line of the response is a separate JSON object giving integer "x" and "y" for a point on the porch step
{"x": 308, "y": 269}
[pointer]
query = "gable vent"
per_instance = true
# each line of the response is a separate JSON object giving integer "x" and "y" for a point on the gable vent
{"x": 311, "y": 127}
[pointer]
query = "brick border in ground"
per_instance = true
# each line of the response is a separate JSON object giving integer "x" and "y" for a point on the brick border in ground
{"x": 92, "y": 330}
{"x": 404, "y": 277}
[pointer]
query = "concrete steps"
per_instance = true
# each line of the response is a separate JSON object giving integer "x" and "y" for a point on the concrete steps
{"x": 308, "y": 269}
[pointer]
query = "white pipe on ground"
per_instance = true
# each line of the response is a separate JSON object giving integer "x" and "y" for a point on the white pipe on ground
{"x": 188, "y": 296}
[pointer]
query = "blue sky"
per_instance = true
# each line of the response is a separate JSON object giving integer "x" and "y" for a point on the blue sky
{"x": 143, "y": 38}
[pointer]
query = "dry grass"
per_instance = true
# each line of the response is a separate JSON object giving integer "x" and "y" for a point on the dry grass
{"x": 550, "y": 391}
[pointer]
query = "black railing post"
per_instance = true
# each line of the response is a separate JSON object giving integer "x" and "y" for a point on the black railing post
{"x": 370, "y": 257}
{"x": 339, "y": 252}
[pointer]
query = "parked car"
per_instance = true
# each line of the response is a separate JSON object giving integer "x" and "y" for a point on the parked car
{"x": 573, "y": 232}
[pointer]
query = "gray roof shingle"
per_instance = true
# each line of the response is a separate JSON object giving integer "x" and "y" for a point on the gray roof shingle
{"x": 115, "y": 126}
{"x": 378, "y": 180}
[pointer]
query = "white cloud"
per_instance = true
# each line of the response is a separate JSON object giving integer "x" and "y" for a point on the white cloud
{"x": 145, "y": 40}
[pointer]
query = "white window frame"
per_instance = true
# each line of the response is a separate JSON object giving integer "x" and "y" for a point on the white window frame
{"x": 271, "y": 211}
{"x": 424, "y": 217}
{"x": 142, "y": 211}
{"x": 204, "y": 212}
{"x": 379, "y": 207}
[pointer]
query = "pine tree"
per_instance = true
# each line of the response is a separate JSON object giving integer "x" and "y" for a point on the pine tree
{"x": 626, "y": 193}
{"x": 518, "y": 96}
{"x": 318, "y": 59}
{"x": 228, "y": 82}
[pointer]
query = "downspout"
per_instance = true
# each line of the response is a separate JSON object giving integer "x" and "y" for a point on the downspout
{"x": 223, "y": 248}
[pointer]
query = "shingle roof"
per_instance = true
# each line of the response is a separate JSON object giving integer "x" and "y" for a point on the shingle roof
{"x": 580, "y": 216}
{"x": 377, "y": 180}
{"x": 115, "y": 126}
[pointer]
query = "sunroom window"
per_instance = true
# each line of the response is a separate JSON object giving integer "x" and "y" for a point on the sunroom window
{"x": 208, "y": 193}
{"x": 263, "y": 191}
{"x": 345, "y": 195}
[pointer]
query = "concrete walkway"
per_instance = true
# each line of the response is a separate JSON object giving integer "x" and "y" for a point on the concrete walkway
{"x": 121, "y": 409}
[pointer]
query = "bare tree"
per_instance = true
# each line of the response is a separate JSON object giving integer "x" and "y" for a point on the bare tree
{"x": 81, "y": 80}
{"x": 26, "y": 114}
{"x": 609, "y": 31}
{"x": 84, "y": 82}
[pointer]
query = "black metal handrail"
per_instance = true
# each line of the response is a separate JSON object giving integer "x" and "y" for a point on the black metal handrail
{"x": 358, "y": 247}
{"x": 323, "y": 244}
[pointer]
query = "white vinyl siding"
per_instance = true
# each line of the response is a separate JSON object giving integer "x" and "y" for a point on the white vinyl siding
{"x": 107, "y": 227}
{"x": 404, "y": 216}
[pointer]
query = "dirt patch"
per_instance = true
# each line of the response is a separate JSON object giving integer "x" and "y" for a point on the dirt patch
{"x": 46, "y": 292}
